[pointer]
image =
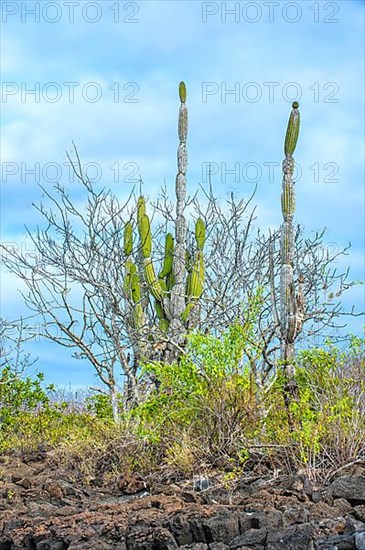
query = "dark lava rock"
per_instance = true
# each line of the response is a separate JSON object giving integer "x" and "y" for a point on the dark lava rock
{"x": 43, "y": 507}
{"x": 351, "y": 487}
{"x": 339, "y": 542}
{"x": 250, "y": 538}
{"x": 295, "y": 537}
{"x": 360, "y": 540}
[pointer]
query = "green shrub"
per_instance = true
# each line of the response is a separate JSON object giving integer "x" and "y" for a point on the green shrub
{"x": 29, "y": 418}
{"x": 208, "y": 399}
{"x": 330, "y": 411}
{"x": 209, "y": 407}
{"x": 100, "y": 405}
{"x": 19, "y": 396}
{"x": 206, "y": 411}
{"x": 331, "y": 408}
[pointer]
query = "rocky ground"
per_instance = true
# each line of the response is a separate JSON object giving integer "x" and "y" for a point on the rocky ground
{"x": 45, "y": 508}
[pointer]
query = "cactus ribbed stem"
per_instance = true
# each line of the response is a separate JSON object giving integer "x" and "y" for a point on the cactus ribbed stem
{"x": 146, "y": 237}
{"x": 153, "y": 283}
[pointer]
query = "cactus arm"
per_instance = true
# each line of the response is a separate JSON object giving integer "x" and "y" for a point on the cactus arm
{"x": 145, "y": 236}
{"x": 141, "y": 208}
{"x": 156, "y": 285}
{"x": 164, "y": 323}
{"x": 144, "y": 229}
{"x": 182, "y": 92}
{"x": 292, "y": 132}
{"x": 200, "y": 233}
{"x": 194, "y": 285}
{"x": 131, "y": 283}
{"x": 168, "y": 256}
{"x": 128, "y": 239}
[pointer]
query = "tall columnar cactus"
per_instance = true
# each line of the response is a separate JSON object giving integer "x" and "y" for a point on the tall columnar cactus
{"x": 177, "y": 301}
{"x": 291, "y": 305}
{"x": 179, "y": 284}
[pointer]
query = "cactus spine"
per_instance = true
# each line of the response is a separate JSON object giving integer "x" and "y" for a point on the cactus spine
{"x": 291, "y": 306}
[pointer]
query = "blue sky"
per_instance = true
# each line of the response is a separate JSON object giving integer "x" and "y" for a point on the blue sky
{"x": 125, "y": 60}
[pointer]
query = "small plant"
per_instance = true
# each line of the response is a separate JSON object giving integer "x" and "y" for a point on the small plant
{"x": 100, "y": 405}
{"x": 10, "y": 495}
{"x": 19, "y": 396}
